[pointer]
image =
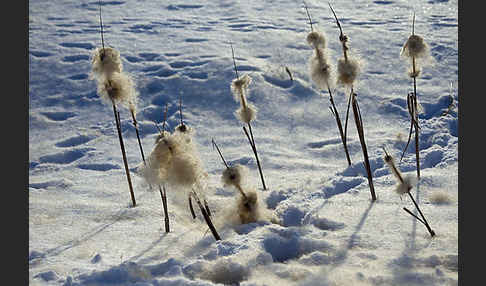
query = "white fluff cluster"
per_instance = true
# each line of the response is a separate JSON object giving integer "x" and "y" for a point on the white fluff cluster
{"x": 319, "y": 68}
{"x": 174, "y": 161}
{"x": 234, "y": 176}
{"x": 316, "y": 40}
{"x": 114, "y": 85}
{"x": 239, "y": 87}
{"x": 104, "y": 62}
{"x": 405, "y": 184}
{"x": 348, "y": 70}
{"x": 118, "y": 88}
{"x": 415, "y": 46}
{"x": 247, "y": 206}
{"x": 417, "y": 51}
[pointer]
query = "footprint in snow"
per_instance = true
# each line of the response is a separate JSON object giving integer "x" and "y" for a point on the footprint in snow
{"x": 58, "y": 115}
{"x": 74, "y": 141}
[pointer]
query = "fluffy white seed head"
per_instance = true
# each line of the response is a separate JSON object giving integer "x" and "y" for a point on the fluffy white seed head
{"x": 319, "y": 69}
{"x": 348, "y": 70}
{"x": 316, "y": 40}
{"x": 105, "y": 62}
{"x": 415, "y": 46}
{"x": 248, "y": 208}
{"x": 239, "y": 88}
{"x": 405, "y": 186}
{"x": 241, "y": 83}
{"x": 119, "y": 88}
{"x": 234, "y": 176}
{"x": 161, "y": 135}
{"x": 246, "y": 113}
{"x": 185, "y": 170}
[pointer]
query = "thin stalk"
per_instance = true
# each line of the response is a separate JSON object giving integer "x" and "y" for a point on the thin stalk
{"x": 135, "y": 124}
{"x": 340, "y": 127}
{"x": 206, "y": 216}
{"x": 102, "y": 39}
{"x": 122, "y": 146}
{"x": 253, "y": 147}
{"x": 191, "y": 208}
{"x": 359, "y": 126}
{"x": 424, "y": 221}
{"x": 234, "y": 62}
{"x": 308, "y": 16}
{"x": 347, "y": 115}
{"x": 163, "y": 196}
{"x": 220, "y": 154}
{"x": 342, "y": 37}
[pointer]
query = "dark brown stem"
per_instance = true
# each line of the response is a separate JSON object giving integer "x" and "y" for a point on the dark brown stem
{"x": 347, "y": 116}
{"x": 122, "y": 146}
{"x": 308, "y": 16}
{"x": 340, "y": 127}
{"x": 234, "y": 62}
{"x": 102, "y": 39}
{"x": 163, "y": 196}
{"x": 359, "y": 126}
{"x": 191, "y": 208}
{"x": 253, "y": 146}
{"x": 138, "y": 135}
{"x": 206, "y": 216}
{"x": 342, "y": 37}
{"x": 432, "y": 233}
{"x": 220, "y": 154}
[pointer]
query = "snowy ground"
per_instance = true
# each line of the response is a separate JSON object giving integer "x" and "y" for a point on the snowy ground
{"x": 82, "y": 230}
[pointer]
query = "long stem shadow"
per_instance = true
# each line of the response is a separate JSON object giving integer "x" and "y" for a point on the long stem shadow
{"x": 86, "y": 236}
{"x": 343, "y": 254}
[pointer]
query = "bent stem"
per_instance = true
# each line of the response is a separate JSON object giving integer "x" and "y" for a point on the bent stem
{"x": 423, "y": 220}
{"x": 359, "y": 126}
{"x": 412, "y": 111}
{"x": 122, "y": 146}
{"x": 206, "y": 216}
{"x": 253, "y": 147}
{"x": 334, "y": 111}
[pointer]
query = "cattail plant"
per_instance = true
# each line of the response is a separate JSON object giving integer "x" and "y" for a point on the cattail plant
{"x": 114, "y": 87}
{"x": 416, "y": 50}
{"x": 174, "y": 161}
{"x": 405, "y": 185}
{"x": 348, "y": 71}
{"x": 321, "y": 74}
{"x": 247, "y": 111}
{"x": 248, "y": 207}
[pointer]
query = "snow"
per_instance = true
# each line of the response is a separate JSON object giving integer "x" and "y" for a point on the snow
{"x": 83, "y": 229}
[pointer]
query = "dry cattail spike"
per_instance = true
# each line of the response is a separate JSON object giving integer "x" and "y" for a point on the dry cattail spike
{"x": 105, "y": 62}
{"x": 348, "y": 71}
{"x": 248, "y": 208}
{"x": 316, "y": 40}
{"x": 320, "y": 70}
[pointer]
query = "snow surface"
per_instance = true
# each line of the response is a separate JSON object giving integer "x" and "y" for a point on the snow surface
{"x": 82, "y": 228}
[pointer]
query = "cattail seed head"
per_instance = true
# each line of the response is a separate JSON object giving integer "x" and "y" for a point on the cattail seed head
{"x": 234, "y": 175}
{"x": 105, "y": 62}
{"x": 248, "y": 209}
{"x": 316, "y": 40}
{"x": 240, "y": 83}
{"x": 405, "y": 186}
{"x": 320, "y": 70}
{"x": 161, "y": 135}
{"x": 119, "y": 88}
{"x": 185, "y": 170}
{"x": 246, "y": 113}
{"x": 416, "y": 47}
{"x": 348, "y": 70}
